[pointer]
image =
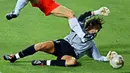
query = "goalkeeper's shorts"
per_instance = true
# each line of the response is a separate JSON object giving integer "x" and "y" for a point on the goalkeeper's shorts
{"x": 62, "y": 48}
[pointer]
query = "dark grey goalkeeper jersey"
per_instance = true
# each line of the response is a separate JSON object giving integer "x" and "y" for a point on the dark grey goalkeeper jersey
{"x": 81, "y": 47}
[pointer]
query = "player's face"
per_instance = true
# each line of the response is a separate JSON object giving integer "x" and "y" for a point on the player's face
{"x": 93, "y": 31}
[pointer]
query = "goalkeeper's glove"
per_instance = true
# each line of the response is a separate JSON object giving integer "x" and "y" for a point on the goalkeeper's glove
{"x": 102, "y": 11}
{"x": 111, "y": 54}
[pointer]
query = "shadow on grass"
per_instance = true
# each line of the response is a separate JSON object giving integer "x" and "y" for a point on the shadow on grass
{"x": 19, "y": 63}
{"x": 125, "y": 72}
{"x": 29, "y": 62}
{"x": 23, "y": 62}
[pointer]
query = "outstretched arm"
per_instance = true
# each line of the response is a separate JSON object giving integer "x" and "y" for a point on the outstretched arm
{"x": 96, "y": 55}
{"x": 102, "y": 11}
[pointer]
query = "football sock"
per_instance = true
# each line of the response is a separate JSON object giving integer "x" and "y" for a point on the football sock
{"x": 75, "y": 26}
{"x": 54, "y": 62}
{"x": 20, "y": 4}
{"x": 28, "y": 51}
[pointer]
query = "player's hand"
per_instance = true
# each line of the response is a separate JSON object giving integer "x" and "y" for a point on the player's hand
{"x": 102, "y": 11}
{"x": 111, "y": 54}
{"x": 108, "y": 55}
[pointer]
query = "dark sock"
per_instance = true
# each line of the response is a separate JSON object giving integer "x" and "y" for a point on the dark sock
{"x": 54, "y": 62}
{"x": 28, "y": 51}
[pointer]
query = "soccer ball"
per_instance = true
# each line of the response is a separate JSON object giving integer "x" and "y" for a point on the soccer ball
{"x": 117, "y": 62}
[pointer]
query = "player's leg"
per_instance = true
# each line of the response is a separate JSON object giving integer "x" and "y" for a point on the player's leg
{"x": 70, "y": 60}
{"x": 66, "y": 60}
{"x": 27, "y": 51}
{"x": 62, "y": 11}
{"x": 47, "y": 47}
{"x": 64, "y": 52}
{"x": 51, "y": 7}
{"x": 19, "y": 5}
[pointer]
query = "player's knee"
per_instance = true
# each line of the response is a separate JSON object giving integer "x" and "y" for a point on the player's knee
{"x": 40, "y": 46}
{"x": 71, "y": 62}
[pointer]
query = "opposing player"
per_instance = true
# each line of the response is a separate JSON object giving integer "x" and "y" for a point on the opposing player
{"x": 50, "y": 7}
{"x": 71, "y": 48}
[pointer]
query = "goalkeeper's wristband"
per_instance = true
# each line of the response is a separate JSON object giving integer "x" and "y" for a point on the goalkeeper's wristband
{"x": 96, "y": 12}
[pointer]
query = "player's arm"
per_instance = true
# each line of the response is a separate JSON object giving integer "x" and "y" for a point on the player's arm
{"x": 102, "y": 11}
{"x": 96, "y": 54}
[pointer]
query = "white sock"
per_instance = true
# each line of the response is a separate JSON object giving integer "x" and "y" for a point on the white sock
{"x": 48, "y": 62}
{"x": 75, "y": 26}
{"x": 17, "y": 56}
{"x": 20, "y": 4}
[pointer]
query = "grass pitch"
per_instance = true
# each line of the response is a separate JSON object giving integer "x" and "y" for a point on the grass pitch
{"x": 32, "y": 27}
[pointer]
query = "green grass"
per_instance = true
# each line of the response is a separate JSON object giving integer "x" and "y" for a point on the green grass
{"x": 32, "y": 27}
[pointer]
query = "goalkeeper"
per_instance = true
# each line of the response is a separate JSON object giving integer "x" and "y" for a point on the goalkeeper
{"x": 72, "y": 47}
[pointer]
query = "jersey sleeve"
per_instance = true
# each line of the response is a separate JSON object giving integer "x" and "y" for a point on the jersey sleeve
{"x": 96, "y": 55}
